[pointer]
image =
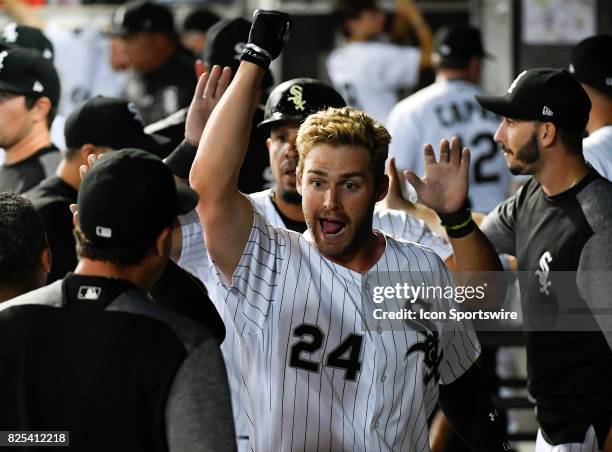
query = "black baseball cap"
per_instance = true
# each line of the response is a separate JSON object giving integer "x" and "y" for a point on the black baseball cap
{"x": 15, "y": 35}
{"x": 26, "y": 71}
{"x": 458, "y": 43}
{"x": 111, "y": 122}
{"x": 225, "y": 42}
{"x": 295, "y": 99}
{"x": 128, "y": 197}
{"x": 591, "y": 63}
{"x": 547, "y": 95}
{"x": 200, "y": 20}
{"x": 142, "y": 17}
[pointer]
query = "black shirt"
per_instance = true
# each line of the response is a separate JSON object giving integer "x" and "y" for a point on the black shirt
{"x": 552, "y": 237}
{"x": 25, "y": 174}
{"x": 164, "y": 91}
{"x": 94, "y": 356}
{"x": 52, "y": 199}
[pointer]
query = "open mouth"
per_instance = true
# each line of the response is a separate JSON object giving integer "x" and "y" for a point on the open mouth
{"x": 332, "y": 228}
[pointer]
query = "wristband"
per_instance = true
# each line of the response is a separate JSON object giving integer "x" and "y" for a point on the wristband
{"x": 458, "y": 224}
{"x": 256, "y": 55}
{"x": 181, "y": 159}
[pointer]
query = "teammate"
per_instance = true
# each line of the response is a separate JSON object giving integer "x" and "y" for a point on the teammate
{"x": 592, "y": 67}
{"x": 29, "y": 94}
{"x": 317, "y": 376}
{"x": 163, "y": 80}
{"x": 101, "y": 357}
{"x": 24, "y": 252}
{"x": 368, "y": 70}
{"x": 288, "y": 105}
{"x": 448, "y": 108}
{"x": 560, "y": 220}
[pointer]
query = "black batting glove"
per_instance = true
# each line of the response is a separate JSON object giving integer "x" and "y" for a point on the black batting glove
{"x": 267, "y": 38}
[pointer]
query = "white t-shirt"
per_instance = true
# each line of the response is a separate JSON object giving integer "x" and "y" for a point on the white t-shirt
{"x": 443, "y": 110}
{"x": 82, "y": 61}
{"x": 597, "y": 150}
{"x": 194, "y": 258}
{"x": 368, "y": 74}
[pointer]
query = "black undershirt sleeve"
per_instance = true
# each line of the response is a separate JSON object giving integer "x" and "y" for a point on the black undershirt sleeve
{"x": 467, "y": 406}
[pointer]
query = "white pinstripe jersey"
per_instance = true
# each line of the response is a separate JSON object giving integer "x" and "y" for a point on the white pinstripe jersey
{"x": 259, "y": 366}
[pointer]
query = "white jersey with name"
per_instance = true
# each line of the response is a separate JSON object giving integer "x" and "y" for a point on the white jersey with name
{"x": 194, "y": 259}
{"x": 368, "y": 74}
{"x": 320, "y": 373}
{"x": 597, "y": 150}
{"x": 443, "y": 110}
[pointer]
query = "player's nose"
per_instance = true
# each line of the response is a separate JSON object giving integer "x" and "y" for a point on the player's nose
{"x": 500, "y": 133}
{"x": 331, "y": 198}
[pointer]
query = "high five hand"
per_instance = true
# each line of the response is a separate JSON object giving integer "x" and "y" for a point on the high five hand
{"x": 445, "y": 185}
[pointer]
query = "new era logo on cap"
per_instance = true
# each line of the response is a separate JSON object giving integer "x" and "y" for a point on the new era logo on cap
{"x": 547, "y": 111}
{"x": 38, "y": 87}
{"x": 89, "y": 293}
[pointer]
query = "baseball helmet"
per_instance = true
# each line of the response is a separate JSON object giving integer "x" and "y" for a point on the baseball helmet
{"x": 295, "y": 99}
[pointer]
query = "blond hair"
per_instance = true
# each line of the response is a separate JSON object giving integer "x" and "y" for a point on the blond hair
{"x": 342, "y": 127}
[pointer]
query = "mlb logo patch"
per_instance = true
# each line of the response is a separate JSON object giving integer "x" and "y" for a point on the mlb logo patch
{"x": 101, "y": 231}
{"x": 89, "y": 293}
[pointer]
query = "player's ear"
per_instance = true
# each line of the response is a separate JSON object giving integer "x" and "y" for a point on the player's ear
{"x": 547, "y": 133}
{"x": 86, "y": 149}
{"x": 383, "y": 188}
{"x": 44, "y": 267}
{"x": 41, "y": 109}
{"x": 163, "y": 243}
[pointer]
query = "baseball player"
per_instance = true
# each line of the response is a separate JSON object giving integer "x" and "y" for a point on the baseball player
{"x": 593, "y": 69}
{"x": 288, "y": 105}
{"x": 317, "y": 377}
{"x": 560, "y": 220}
{"x": 447, "y": 108}
{"x": 368, "y": 70}
{"x": 29, "y": 95}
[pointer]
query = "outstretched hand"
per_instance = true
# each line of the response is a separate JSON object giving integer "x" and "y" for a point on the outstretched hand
{"x": 209, "y": 90}
{"x": 445, "y": 185}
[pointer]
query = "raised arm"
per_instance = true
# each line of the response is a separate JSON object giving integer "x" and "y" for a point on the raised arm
{"x": 226, "y": 214}
{"x": 408, "y": 14}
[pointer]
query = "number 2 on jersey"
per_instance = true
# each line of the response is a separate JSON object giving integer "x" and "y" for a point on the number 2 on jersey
{"x": 344, "y": 356}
